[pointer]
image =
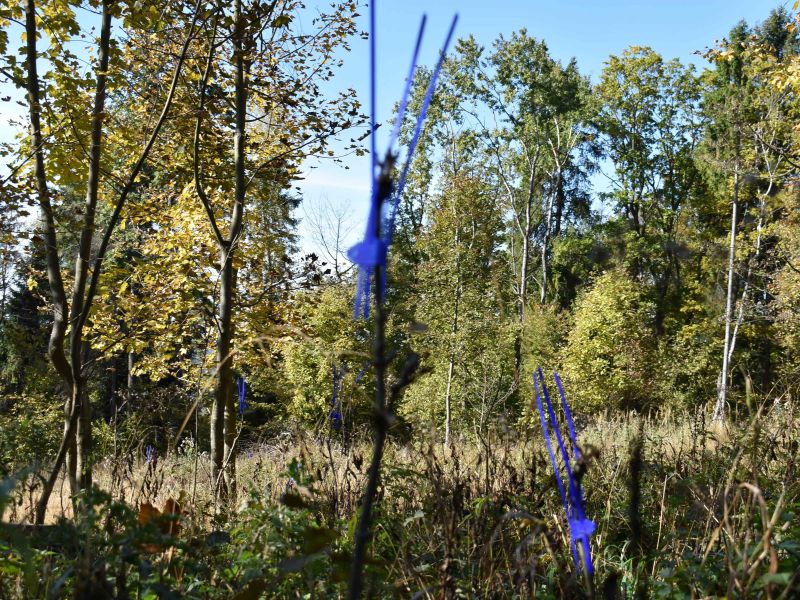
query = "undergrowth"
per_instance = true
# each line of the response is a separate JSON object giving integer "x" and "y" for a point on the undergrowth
{"x": 682, "y": 510}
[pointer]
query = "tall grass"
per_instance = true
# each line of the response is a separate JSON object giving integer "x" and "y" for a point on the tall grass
{"x": 682, "y": 510}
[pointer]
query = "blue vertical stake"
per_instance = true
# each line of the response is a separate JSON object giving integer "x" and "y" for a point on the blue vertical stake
{"x": 580, "y": 528}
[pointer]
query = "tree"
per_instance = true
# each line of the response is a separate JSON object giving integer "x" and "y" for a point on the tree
{"x": 272, "y": 82}
{"x": 459, "y": 281}
{"x": 331, "y": 226}
{"x": 537, "y": 136}
{"x": 726, "y": 133}
{"x": 750, "y": 139}
{"x": 46, "y": 146}
{"x": 23, "y": 328}
{"x": 609, "y": 357}
{"x": 651, "y": 126}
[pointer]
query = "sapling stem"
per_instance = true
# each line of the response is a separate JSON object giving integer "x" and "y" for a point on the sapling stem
{"x": 381, "y": 428}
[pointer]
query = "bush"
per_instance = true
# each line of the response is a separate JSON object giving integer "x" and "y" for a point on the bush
{"x": 31, "y": 432}
{"x": 609, "y": 359}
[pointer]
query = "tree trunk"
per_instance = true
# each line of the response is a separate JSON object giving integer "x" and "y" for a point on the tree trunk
{"x": 560, "y": 201}
{"x": 722, "y": 381}
{"x": 224, "y": 411}
{"x": 746, "y": 284}
{"x": 523, "y": 280}
{"x": 77, "y": 346}
{"x": 453, "y": 331}
{"x": 223, "y": 394}
{"x": 58, "y": 296}
{"x": 68, "y": 438}
{"x": 67, "y": 441}
{"x": 131, "y": 380}
{"x": 83, "y": 435}
{"x": 447, "y": 414}
{"x": 58, "y": 330}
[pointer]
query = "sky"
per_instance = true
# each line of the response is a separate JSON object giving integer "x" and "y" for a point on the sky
{"x": 589, "y": 30}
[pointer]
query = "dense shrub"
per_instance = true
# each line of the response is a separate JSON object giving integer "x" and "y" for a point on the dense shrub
{"x": 608, "y": 358}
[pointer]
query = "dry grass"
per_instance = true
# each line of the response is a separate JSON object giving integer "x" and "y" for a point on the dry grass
{"x": 483, "y": 518}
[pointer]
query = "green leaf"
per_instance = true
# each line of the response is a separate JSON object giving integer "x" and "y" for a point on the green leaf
{"x": 281, "y": 21}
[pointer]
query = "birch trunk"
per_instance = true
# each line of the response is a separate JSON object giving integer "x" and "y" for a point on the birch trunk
{"x": 722, "y": 381}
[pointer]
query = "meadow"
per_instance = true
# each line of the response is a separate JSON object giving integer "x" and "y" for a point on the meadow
{"x": 683, "y": 509}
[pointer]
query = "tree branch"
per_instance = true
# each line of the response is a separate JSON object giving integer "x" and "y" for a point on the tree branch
{"x": 198, "y": 182}
{"x": 101, "y": 253}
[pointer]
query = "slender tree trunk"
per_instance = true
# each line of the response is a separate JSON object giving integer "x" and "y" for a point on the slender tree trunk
{"x": 131, "y": 380}
{"x": 722, "y": 381}
{"x": 67, "y": 441}
{"x": 454, "y": 332}
{"x": 68, "y": 438}
{"x": 77, "y": 346}
{"x": 58, "y": 330}
{"x": 224, "y": 411}
{"x": 83, "y": 435}
{"x": 58, "y": 296}
{"x": 224, "y": 416}
{"x": 240, "y": 190}
{"x": 523, "y": 276}
{"x": 560, "y": 200}
{"x": 543, "y": 287}
{"x": 4, "y": 282}
{"x": 223, "y": 393}
{"x": 523, "y": 280}
{"x": 217, "y": 429}
{"x": 447, "y": 414}
{"x": 748, "y": 277}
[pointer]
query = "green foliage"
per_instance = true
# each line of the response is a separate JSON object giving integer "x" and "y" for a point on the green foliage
{"x": 457, "y": 286}
{"x": 651, "y": 121}
{"x": 609, "y": 355}
{"x": 577, "y": 258}
{"x": 330, "y": 338}
{"x": 787, "y": 290}
{"x": 689, "y": 365}
{"x": 30, "y": 426}
{"x": 544, "y": 333}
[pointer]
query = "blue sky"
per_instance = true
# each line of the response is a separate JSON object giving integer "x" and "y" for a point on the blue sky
{"x": 589, "y": 30}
